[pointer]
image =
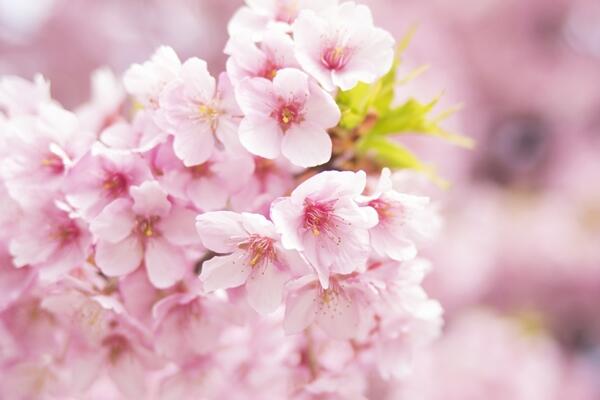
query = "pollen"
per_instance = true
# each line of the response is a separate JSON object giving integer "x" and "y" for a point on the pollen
{"x": 260, "y": 250}
{"x": 318, "y": 216}
{"x": 146, "y": 226}
{"x": 115, "y": 184}
{"x": 54, "y": 163}
{"x": 335, "y": 58}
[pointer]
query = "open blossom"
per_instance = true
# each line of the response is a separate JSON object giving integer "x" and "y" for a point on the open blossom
{"x": 208, "y": 185}
{"x": 146, "y": 81}
{"x": 187, "y": 326}
{"x": 196, "y": 110}
{"x": 248, "y": 59}
{"x": 20, "y": 96}
{"x": 50, "y": 240}
{"x": 42, "y": 148}
{"x": 322, "y": 220}
{"x": 332, "y": 309}
{"x": 253, "y": 258}
{"x": 149, "y": 228}
{"x": 288, "y": 115}
{"x": 340, "y": 46}
{"x": 258, "y": 15}
{"x": 102, "y": 176}
{"x": 402, "y": 219}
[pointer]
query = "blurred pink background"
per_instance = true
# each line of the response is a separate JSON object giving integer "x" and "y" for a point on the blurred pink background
{"x": 522, "y": 236}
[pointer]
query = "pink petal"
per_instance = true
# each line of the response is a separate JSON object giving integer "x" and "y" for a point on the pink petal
{"x": 195, "y": 145}
{"x": 224, "y": 272}
{"x": 292, "y": 85}
{"x": 264, "y": 288}
{"x": 338, "y": 317}
{"x": 287, "y": 218}
{"x": 256, "y": 97}
{"x": 306, "y": 145}
{"x": 321, "y": 108}
{"x": 259, "y": 225}
{"x": 165, "y": 263}
{"x": 128, "y": 375}
{"x": 197, "y": 79}
{"x": 220, "y": 231}
{"x": 261, "y": 136}
{"x": 149, "y": 199}
{"x": 120, "y": 258}
{"x": 208, "y": 194}
{"x": 179, "y": 227}
{"x": 300, "y": 310}
{"x": 115, "y": 222}
{"x": 309, "y": 31}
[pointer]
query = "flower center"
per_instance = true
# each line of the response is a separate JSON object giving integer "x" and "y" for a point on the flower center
{"x": 54, "y": 163}
{"x": 145, "y": 226}
{"x": 201, "y": 171}
{"x": 384, "y": 209}
{"x": 269, "y": 70}
{"x": 335, "y": 58}
{"x": 260, "y": 249}
{"x": 318, "y": 216}
{"x": 288, "y": 114}
{"x": 210, "y": 114}
{"x": 115, "y": 184}
{"x": 66, "y": 233}
{"x": 117, "y": 345}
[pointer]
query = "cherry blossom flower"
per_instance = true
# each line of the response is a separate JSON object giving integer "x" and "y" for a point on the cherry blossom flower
{"x": 147, "y": 228}
{"x": 322, "y": 220}
{"x": 102, "y": 176}
{"x": 340, "y": 46}
{"x": 19, "y": 96}
{"x": 402, "y": 218}
{"x": 42, "y": 149}
{"x": 332, "y": 309}
{"x": 195, "y": 110}
{"x": 208, "y": 185}
{"x": 253, "y": 257}
{"x": 187, "y": 326}
{"x": 288, "y": 115}
{"x": 50, "y": 240}
{"x": 252, "y": 20}
{"x": 250, "y": 60}
{"x": 146, "y": 81}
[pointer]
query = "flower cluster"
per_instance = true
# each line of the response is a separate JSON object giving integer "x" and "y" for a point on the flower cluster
{"x": 183, "y": 236}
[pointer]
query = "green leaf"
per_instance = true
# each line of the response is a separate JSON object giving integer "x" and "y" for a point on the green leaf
{"x": 413, "y": 117}
{"x": 395, "y": 156}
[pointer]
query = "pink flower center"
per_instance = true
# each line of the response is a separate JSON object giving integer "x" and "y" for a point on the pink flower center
{"x": 385, "y": 211}
{"x": 288, "y": 114}
{"x": 146, "y": 226}
{"x": 115, "y": 184}
{"x": 117, "y": 345}
{"x": 260, "y": 249}
{"x": 269, "y": 70}
{"x": 335, "y": 58}
{"x": 201, "y": 171}
{"x": 54, "y": 163}
{"x": 319, "y": 216}
{"x": 209, "y": 114}
{"x": 66, "y": 233}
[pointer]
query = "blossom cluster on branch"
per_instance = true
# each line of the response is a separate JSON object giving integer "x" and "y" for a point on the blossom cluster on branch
{"x": 240, "y": 236}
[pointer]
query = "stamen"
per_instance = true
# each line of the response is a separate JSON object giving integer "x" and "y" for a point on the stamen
{"x": 336, "y": 57}
{"x": 260, "y": 249}
{"x": 146, "y": 228}
{"x": 115, "y": 184}
{"x": 54, "y": 163}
